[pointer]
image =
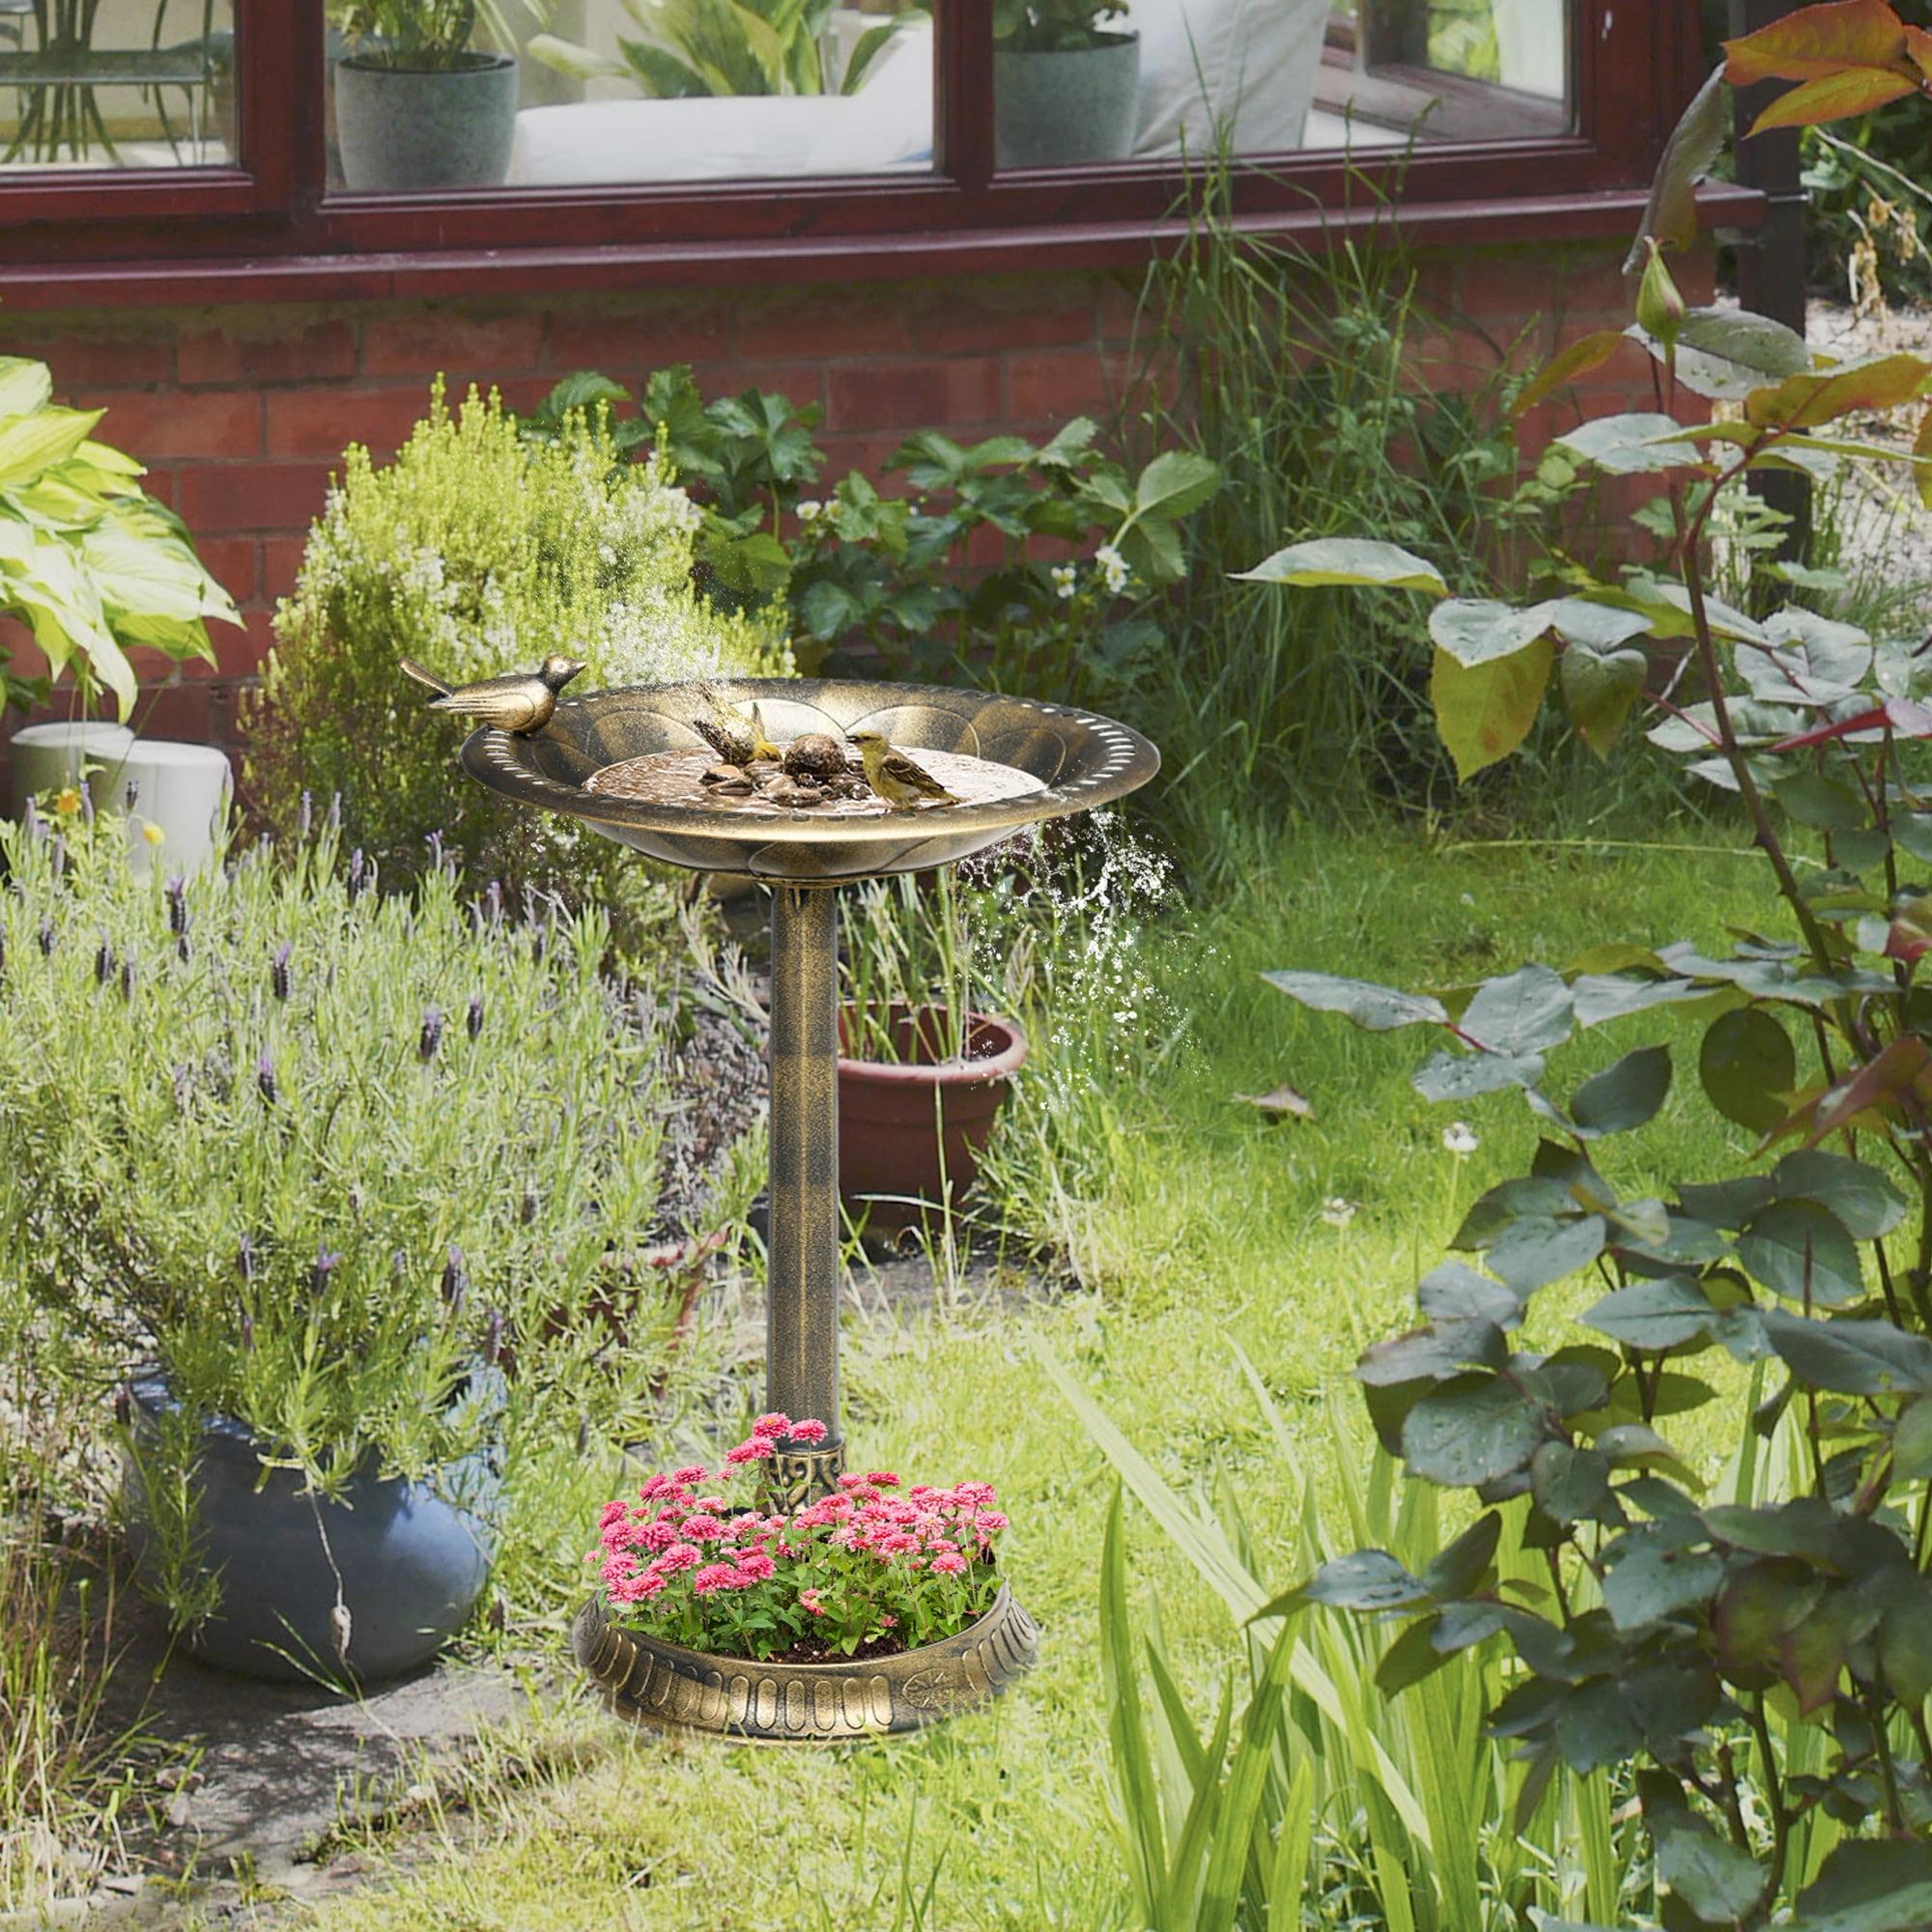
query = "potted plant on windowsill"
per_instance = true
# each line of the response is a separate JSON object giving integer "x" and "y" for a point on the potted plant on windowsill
{"x": 1065, "y": 88}
{"x": 417, "y": 105}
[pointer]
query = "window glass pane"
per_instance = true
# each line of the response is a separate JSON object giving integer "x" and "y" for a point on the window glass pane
{"x": 116, "y": 84}
{"x": 1158, "y": 78}
{"x": 629, "y": 90}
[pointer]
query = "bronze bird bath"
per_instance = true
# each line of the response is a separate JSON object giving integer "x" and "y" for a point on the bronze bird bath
{"x": 1056, "y": 762}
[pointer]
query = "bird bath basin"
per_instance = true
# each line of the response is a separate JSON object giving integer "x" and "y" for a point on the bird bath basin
{"x": 607, "y": 760}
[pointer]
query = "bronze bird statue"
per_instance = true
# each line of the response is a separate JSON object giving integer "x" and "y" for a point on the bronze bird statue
{"x": 728, "y": 732}
{"x": 522, "y": 702}
{"x": 894, "y": 776}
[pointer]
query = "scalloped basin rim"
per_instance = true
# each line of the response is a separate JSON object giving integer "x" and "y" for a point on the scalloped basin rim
{"x": 1082, "y": 759}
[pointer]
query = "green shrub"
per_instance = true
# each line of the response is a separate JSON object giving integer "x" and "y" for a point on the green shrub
{"x": 320, "y": 1151}
{"x": 475, "y": 551}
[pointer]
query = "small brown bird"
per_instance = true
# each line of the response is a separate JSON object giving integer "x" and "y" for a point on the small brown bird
{"x": 727, "y": 732}
{"x": 894, "y": 776}
{"x": 521, "y": 702}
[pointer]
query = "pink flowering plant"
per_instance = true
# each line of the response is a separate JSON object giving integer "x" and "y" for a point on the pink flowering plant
{"x": 699, "y": 1560}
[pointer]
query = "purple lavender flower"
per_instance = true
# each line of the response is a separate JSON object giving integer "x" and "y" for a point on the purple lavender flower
{"x": 46, "y": 938}
{"x": 431, "y": 1037}
{"x": 278, "y": 970}
{"x": 245, "y": 1256}
{"x": 475, "y": 1020}
{"x": 455, "y": 1278}
{"x": 265, "y": 1078}
{"x": 326, "y": 1262}
{"x": 247, "y": 1330}
{"x": 493, "y": 1338}
{"x": 177, "y": 896}
{"x": 103, "y": 962}
{"x": 357, "y": 868}
{"x": 128, "y": 979}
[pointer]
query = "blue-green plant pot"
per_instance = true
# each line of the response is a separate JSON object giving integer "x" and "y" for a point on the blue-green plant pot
{"x": 409, "y": 1560}
{"x": 402, "y": 130}
{"x": 1053, "y": 110}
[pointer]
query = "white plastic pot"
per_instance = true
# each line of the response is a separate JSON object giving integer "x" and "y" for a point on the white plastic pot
{"x": 178, "y": 789}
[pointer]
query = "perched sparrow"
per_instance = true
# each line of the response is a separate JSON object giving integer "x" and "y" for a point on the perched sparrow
{"x": 894, "y": 776}
{"x": 727, "y": 732}
{"x": 520, "y": 703}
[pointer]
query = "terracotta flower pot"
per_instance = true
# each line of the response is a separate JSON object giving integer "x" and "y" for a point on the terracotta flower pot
{"x": 910, "y": 1127}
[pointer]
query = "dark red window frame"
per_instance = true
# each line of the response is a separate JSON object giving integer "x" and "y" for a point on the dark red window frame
{"x": 267, "y": 230}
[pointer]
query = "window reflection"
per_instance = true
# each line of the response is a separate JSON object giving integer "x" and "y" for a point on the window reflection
{"x": 631, "y": 91}
{"x": 116, "y": 84}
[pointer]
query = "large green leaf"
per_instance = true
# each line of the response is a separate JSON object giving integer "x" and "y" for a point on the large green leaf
{"x": 1860, "y": 1196}
{"x": 1748, "y": 1067}
{"x": 1624, "y": 1095}
{"x": 1851, "y": 1358}
{"x": 1670, "y": 214}
{"x": 1520, "y": 1012}
{"x": 1803, "y": 1251}
{"x": 1874, "y": 382}
{"x": 147, "y": 573}
{"x": 1727, "y": 352}
{"x": 32, "y": 444}
{"x": 1175, "y": 484}
{"x": 1640, "y": 443}
{"x": 1370, "y": 1579}
{"x": 1599, "y": 689}
{"x": 1478, "y": 630}
{"x": 1869, "y": 1885}
{"x": 1484, "y": 712}
{"x": 1376, "y": 1008}
{"x": 25, "y": 387}
{"x": 1655, "y": 1314}
{"x": 1718, "y": 1880}
{"x": 1348, "y": 561}
{"x": 1473, "y": 1430}
{"x": 1651, "y": 1577}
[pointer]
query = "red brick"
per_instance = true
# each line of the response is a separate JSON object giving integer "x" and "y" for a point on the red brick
{"x": 324, "y": 421}
{"x": 302, "y": 352}
{"x": 802, "y": 383}
{"x": 445, "y": 341}
{"x": 629, "y": 345}
{"x": 939, "y": 393}
{"x": 990, "y": 327}
{"x": 177, "y": 423}
{"x": 110, "y": 362}
{"x": 230, "y": 561}
{"x": 1048, "y": 386}
{"x": 856, "y": 325}
{"x": 252, "y": 495}
{"x": 282, "y": 562}
{"x": 175, "y": 711}
{"x": 867, "y": 454}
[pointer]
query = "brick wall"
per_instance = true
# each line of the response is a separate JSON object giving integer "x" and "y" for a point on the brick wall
{"x": 241, "y": 413}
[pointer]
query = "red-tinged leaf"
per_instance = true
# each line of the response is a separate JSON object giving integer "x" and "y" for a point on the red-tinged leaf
{"x": 1865, "y": 720}
{"x": 1670, "y": 214}
{"x": 1824, "y": 395}
{"x": 1904, "y": 1066}
{"x": 1859, "y": 90}
{"x": 1918, "y": 49}
{"x": 1587, "y": 352}
{"x": 1818, "y": 40}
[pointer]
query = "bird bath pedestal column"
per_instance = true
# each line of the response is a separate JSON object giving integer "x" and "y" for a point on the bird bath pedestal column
{"x": 1055, "y": 761}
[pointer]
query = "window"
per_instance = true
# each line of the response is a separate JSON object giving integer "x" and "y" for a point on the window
{"x": 897, "y": 139}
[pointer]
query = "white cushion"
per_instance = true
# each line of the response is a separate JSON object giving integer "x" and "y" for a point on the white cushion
{"x": 1250, "y": 64}
{"x": 886, "y": 125}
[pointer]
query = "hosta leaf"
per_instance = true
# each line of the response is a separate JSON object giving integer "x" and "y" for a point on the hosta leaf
{"x": 1348, "y": 561}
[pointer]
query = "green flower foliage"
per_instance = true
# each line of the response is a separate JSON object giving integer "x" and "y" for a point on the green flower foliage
{"x": 1056, "y": 26}
{"x": 476, "y": 552}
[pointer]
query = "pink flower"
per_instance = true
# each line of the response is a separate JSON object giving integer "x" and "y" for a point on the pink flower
{"x": 756, "y": 1450}
{"x": 853, "y": 1481}
{"x": 885, "y": 1479}
{"x": 888, "y": 1622}
{"x": 808, "y": 1432}
{"x": 711, "y": 1505}
{"x": 755, "y": 1564}
{"x": 949, "y": 1563}
{"x": 897, "y": 1543}
{"x": 773, "y": 1424}
{"x": 810, "y": 1598}
{"x": 701, "y": 1528}
{"x": 688, "y": 1477}
{"x": 679, "y": 1556}
{"x": 714, "y": 1577}
{"x": 989, "y": 1522}
{"x": 611, "y": 1512}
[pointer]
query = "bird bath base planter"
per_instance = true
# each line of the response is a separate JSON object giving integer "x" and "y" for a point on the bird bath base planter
{"x": 1058, "y": 761}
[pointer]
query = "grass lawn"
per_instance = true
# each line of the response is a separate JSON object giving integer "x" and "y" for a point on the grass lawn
{"x": 1207, "y": 1230}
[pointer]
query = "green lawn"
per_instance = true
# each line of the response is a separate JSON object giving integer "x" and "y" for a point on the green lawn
{"x": 1205, "y": 1231}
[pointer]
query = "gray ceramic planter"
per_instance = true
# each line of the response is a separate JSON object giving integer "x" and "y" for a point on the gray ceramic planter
{"x": 400, "y": 129}
{"x": 410, "y": 1561}
{"x": 1050, "y": 110}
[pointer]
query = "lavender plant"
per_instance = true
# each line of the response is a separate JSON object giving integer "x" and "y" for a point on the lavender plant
{"x": 323, "y": 1153}
{"x": 1762, "y": 1664}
